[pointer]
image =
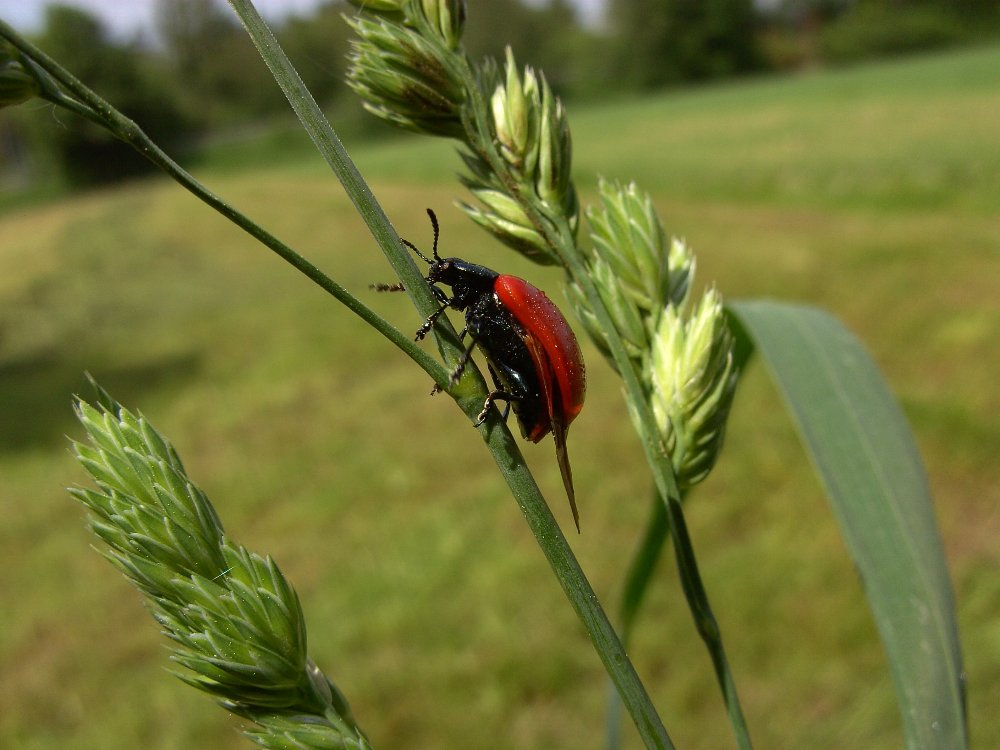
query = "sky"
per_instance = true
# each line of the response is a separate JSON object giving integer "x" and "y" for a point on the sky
{"x": 125, "y": 17}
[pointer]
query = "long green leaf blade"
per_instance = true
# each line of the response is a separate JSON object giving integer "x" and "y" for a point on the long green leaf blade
{"x": 862, "y": 447}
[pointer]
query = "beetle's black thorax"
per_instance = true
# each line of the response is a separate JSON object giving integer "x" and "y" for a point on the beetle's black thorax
{"x": 468, "y": 281}
{"x": 500, "y": 337}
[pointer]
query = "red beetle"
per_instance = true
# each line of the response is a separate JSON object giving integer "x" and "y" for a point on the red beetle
{"x": 531, "y": 351}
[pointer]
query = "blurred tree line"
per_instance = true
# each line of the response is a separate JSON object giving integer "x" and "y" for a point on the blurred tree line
{"x": 199, "y": 75}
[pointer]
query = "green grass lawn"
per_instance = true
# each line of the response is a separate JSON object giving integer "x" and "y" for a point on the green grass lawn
{"x": 873, "y": 192}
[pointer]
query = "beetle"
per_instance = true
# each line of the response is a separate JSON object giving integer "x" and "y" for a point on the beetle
{"x": 532, "y": 354}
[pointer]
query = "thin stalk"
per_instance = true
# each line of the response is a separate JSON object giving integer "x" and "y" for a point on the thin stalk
{"x": 559, "y": 235}
{"x": 666, "y": 484}
{"x": 707, "y": 625}
{"x": 637, "y": 580}
{"x": 643, "y": 564}
{"x": 90, "y": 105}
{"x": 328, "y": 144}
{"x": 497, "y": 437}
{"x": 581, "y": 595}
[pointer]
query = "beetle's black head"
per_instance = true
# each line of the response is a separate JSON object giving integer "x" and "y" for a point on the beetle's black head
{"x": 464, "y": 277}
{"x": 443, "y": 271}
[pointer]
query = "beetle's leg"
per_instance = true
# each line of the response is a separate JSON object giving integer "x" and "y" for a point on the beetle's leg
{"x": 398, "y": 286}
{"x": 383, "y": 287}
{"x": 461, "y": 337}
{"x": 429, "y": 323}
{"x": 496, "y": 396}
{"x": 440, "y": 293}
{"x": 462, "y": 362}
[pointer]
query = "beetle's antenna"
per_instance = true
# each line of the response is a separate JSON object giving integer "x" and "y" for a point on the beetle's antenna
{"x": 414, "y": 248}
{"x": 437, "y": 232}
{"x": 434, "y": 223}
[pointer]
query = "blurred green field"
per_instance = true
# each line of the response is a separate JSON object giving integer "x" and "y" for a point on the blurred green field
{"x": 873, "y": 192}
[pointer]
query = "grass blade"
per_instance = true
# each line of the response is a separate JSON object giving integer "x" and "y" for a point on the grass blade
{"x": 862, "y": 447}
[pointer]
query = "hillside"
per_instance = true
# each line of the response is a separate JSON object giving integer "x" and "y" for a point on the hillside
{"x": 871, "y": 192}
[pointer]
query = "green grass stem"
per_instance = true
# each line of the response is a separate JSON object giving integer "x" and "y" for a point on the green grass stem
{"x": 499, "y": 440}
{"x": 90, "y": 105}
{"x": 561, "y": 239}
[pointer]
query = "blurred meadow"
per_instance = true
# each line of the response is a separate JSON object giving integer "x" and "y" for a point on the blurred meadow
{"x": 873, "y": 192}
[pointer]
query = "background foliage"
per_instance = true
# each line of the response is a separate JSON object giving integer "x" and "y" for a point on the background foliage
{"x": 140, "y": 83}
{"x": 189, "y": 100}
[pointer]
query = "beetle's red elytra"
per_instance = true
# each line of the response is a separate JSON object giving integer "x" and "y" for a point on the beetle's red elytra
{"x": 531, "y": 351}
{"x": 539, "y": 316}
